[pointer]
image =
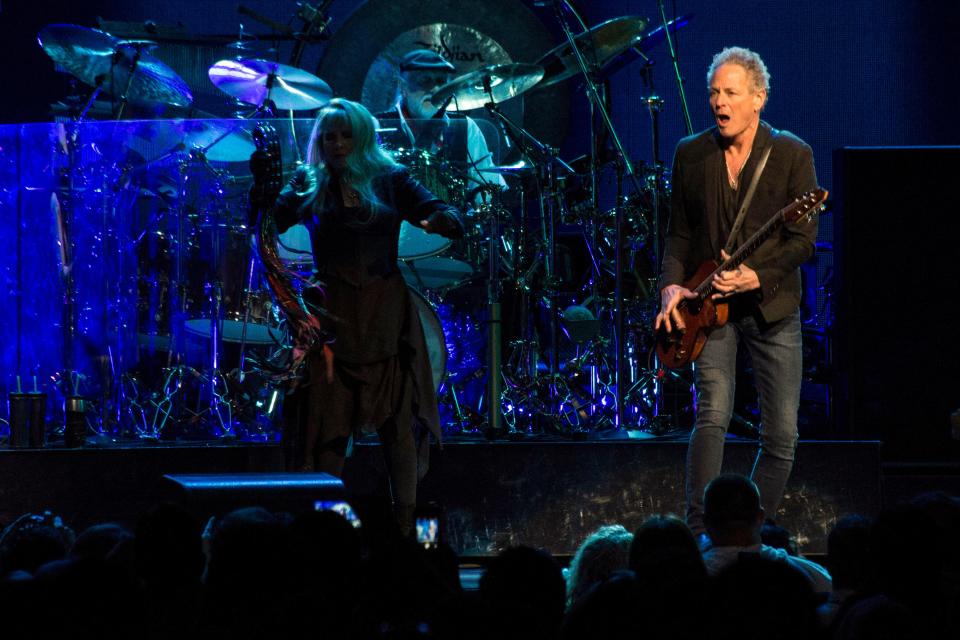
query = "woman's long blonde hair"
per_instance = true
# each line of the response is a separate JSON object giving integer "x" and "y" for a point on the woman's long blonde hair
{"x": 366, "y": 162}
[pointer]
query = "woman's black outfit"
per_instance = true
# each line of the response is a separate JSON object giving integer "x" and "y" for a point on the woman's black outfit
{"x": 382, "y": 378}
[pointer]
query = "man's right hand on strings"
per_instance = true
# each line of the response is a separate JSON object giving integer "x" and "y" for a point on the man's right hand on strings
{"x": 669, "y": 316}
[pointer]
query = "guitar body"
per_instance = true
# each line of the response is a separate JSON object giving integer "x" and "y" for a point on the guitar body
{"x": 700, "y": 317}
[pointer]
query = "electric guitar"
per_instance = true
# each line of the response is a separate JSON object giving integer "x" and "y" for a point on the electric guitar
{"x": 701, "y": 315}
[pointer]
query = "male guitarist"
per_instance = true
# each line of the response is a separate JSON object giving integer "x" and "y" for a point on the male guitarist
{"x": 712, "y": 212}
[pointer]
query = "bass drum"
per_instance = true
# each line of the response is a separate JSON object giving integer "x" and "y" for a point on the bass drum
{"x": 433, "y": 335}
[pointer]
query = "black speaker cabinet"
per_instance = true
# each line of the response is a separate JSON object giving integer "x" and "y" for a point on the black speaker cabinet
{"x": 219, "y": 493}
{"x": 897, "y": 234}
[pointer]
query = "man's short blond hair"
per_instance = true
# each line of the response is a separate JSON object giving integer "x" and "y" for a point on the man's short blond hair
{"x": 749, "y": 60}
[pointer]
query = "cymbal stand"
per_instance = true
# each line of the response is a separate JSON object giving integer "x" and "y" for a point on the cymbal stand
{"x": 654, "y": 103}
{"x": 62, "y": 208}
{"x": 171, "y": 402}
{"x": 219, "y": 409}
{"x": 676, "y": 67}
{"x": 495, "y": 333}
{"x": 200, "y": 153}
{"x": 138, "y": 47}
{"x": 549, "y": 166}
{"x": 597, "y": 103}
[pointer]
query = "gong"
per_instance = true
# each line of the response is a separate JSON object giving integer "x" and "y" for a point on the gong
{"x": 360, "y": 61}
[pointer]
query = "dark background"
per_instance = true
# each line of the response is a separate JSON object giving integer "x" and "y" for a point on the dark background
{"x": 854, "y": 73}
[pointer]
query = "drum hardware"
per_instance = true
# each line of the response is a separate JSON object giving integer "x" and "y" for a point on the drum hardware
{"x": 74, "y": 184}
{"x": 437, "y": 273}
{"x": 602, "y": 48}
{"x": 549, "y": 169}
{"x": 654, "y": 104}
{"x": 488, "y": 86}
{"x": 495, "y": 328}
{"x": 133, "y": 76}
{"x": 529, "y": 389}
{"x": 202, "y": 266}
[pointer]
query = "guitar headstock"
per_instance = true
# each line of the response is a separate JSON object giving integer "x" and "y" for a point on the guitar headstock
{"x": 805, "y": 206}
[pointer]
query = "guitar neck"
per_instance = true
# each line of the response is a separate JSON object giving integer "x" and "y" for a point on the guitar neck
{"x": 745, "y": 250}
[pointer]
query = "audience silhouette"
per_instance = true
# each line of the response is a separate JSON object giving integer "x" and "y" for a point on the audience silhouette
{"x": 253, "y": 573}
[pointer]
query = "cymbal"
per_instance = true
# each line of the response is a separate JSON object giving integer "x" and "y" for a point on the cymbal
{"x": 599, "y": 45}
{"x": 218, "y": 140}
{"x": 97, "y": 58}
{"x": 254, "y": 81}
{"x": 495, "y": 83}
{"x": 647, "y": 44}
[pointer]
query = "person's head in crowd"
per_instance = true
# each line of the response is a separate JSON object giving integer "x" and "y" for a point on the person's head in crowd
{"x": 328, "y": 549}
{"x": 421, "y": 72}
{"x": 611, "y": 610}
{"x": 604, "y": 552}
{"x": 732, "y": 511}
{"x": 33, "y": 540}
{"x": 759, "y": 598}
{"x": 247, "y": 548}
{"x": 775, "y": 536}
{"x": 848, "y": 552}
{"x": 944, "y": 510}
{"x": 911, "y": 591}
{"x": 664, "y": 548}
{"x": 907, "y": 551}
{"x": 100, "y": 541}
{"x": 168, "y": 547}
{"x": 523, "y": 591}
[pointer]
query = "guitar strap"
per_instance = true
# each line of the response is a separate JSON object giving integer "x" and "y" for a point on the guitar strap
{"x": 742, "y": 214}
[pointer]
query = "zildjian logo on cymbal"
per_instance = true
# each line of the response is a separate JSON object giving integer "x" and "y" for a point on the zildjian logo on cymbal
{"x": 456, "y": 54}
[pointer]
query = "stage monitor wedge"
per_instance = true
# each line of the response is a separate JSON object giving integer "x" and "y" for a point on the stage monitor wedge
{"x": 218, "y": 493}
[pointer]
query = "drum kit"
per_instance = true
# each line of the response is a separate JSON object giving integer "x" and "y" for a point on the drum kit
{"x": 569, "y": 371}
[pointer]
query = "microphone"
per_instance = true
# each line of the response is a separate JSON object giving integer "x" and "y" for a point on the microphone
{"x": 443, "y": 107}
